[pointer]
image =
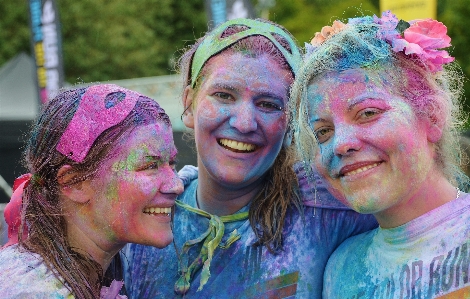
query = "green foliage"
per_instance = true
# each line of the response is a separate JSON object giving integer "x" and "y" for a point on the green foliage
{"x": 109, "y": 40}
{"x": 117, "y": 39}
{"x": 305, "y": 17}
{"x": 14, "y": 29}
{"x": 105, "y": 40}
{"x": 455, "y": 16}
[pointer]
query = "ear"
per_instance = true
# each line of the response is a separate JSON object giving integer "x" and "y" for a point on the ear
{"x": 434, "y": 131}
{"x": 79, "y": 192}
{"x": 187, "y": 117}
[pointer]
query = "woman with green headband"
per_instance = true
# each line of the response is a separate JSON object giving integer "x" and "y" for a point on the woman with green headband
{"x": 241, "y": 228}
{"x": 377, "y": 112}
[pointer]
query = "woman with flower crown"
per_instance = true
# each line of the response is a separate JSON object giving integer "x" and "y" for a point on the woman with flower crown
{"x": 377, "y": 112}
{"x": 102, "y": 163}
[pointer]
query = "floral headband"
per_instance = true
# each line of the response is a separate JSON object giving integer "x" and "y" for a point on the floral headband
{"x": 424, "y": 38}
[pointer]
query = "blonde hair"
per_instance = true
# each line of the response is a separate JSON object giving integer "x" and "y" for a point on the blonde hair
{"x": 433, "y": 95}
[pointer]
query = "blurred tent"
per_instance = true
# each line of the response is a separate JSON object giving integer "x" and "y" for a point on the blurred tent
{"x": 18, "y": 94}
{"x": 19, "y": 106}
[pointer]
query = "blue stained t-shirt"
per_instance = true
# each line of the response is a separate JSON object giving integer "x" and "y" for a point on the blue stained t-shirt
{"x": 244, "y": 270}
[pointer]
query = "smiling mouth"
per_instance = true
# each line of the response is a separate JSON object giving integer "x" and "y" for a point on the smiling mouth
{"x": 158, "y": 211}
{"x": 361, "y": 169}
{"x": 236, "y": 146}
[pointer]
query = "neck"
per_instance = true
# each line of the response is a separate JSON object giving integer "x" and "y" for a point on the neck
{"x": 89, "y": 243}
{"x": 223, "y": 199}
{"x": 434, "y": 192}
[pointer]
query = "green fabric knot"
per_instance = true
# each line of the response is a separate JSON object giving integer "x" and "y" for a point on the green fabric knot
{"x": 211, "y": 239}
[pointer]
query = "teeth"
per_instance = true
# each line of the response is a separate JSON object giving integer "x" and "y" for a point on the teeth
{"x": 157, "y": 210}
{"x": 362, "y": 169}
{"x": 241, "y": 146}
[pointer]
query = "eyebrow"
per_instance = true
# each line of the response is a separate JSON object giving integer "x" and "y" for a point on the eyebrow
{"x": 357, "y": 101}
{"x": 222, "y": 85}
{"x": 354, "y": 102}
{"x": 318, "y": 119}
{"x": 263, "y": 91}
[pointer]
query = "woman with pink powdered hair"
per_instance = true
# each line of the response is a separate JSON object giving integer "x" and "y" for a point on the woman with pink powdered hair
{"x": 102, "y": 163}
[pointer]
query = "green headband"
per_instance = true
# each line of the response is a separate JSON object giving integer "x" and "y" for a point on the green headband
{"x": 213, "y": 43}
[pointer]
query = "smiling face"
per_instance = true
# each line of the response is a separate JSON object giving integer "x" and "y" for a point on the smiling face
{"x": 135, "y": 189}
{"x": 373, "y": 151}
{"x": 239, "y": 117}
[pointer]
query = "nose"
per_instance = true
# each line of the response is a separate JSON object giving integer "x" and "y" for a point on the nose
{"x": 171, "y": 183}
{"x": 243, "y": 118}
{"x": 345, "y": 140}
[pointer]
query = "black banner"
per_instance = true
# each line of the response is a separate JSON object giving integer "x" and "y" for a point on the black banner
{"x": 219, "y": 11}
{"x": 47, "y": 47}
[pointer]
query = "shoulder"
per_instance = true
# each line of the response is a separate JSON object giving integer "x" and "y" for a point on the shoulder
{"x": 15, "y": 259}
{"x": 346, "y": 267}
{"x": 23, "y": 274}
{"x": 188, "y": 174}
{"x": 348, "y": 255}
{"x": 352, "y": 245}
{"x": 339, "y": 223}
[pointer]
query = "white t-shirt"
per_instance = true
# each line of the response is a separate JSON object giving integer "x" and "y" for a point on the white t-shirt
{"x": 23, "y": 274}
{"x": 428, "y": 257}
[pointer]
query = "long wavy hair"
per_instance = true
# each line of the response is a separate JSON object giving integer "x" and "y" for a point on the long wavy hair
{"x": 42, "y": 208}
{"x": 268, "y": 210}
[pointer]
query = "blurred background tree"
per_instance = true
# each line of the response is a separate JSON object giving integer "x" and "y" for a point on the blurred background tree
{"x": 118, "y": 39}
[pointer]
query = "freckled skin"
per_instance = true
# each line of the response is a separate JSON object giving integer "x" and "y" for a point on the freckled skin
{"x": 357, "y": 120}
{"x": 237, "y": 100}
{"x": 131, "y": 180}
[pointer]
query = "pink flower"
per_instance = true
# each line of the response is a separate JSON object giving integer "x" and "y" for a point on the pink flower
{"x": 326, "y": 32}
{"x": 424, "y": 38}
{"x": 388, "y": 22}
{"x": 318, "y": 39}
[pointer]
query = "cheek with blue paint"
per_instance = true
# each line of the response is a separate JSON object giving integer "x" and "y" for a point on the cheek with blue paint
{"x": 239, "y": 121}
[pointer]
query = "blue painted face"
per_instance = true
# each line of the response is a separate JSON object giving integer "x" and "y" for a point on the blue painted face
{"x": 240, "y": 117}
{"x": 373, "y": 150}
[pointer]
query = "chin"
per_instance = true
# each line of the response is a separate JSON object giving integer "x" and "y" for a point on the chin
{"x": 363, "y": 205}
{"x": 162, "y": 241}
{"x": 159, "y": 239}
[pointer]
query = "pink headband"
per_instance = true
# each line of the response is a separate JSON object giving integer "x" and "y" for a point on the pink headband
{"x": 96, "y": 113}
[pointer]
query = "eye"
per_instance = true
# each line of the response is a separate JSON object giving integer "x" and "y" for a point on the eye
{"x": 223, "y": 96}
{"x": 270, "y": 106}
{"x": 153, "y": 165}
{"x": 322, "y": 134}
{"x": 368, "y": 114}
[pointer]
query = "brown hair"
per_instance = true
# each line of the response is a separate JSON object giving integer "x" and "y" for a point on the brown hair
{"x": 42, "y": 209}
{"x": 279, "y": 193}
